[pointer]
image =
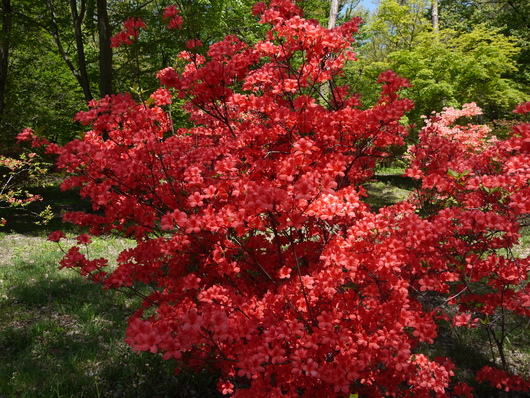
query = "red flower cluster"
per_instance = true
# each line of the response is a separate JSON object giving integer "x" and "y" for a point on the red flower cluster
{"x": 129, "y": 34}
{"x": 171, "y": 13}
{"x": 249, "y": 226}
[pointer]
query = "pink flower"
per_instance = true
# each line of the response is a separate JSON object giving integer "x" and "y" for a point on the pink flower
{"x": 523, "y": 108}
{"x": 168, "y": 77}
{"x": 119, "y": 39}
{"x": 175, "y": 23}
{"x": 162, "y": 96}
{"x": 129, "y": 34}
{"x": 173, "y": 13}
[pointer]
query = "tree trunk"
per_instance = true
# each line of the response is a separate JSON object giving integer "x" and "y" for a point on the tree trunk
{"x": 434, "y": 15}
{"x": 105, "y": 52}
{"x": 326, "y": 89}
{"x": 7, "y": 22}
{"x": 333, "y": 14}
{"x": 80, "y": 75}
{"x": 77, "y": 19}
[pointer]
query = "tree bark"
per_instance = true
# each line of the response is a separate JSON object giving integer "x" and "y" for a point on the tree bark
{"x": 333, "y": 14}
{"x": 105, "y": 51}
{"x": 7, "y": 23}
{"x": 77, "y": 19}
{"x": 326, "y": 89}
{"x": 434, "y": 15}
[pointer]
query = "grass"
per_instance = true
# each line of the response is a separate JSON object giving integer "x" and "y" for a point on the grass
{"x": 523, "y": 249}
{"x": 61, "y": 336}
{"x": 384, "y": 191}
{"x": 388, "y": 187}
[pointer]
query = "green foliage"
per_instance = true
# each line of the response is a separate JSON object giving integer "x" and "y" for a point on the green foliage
{"x": 43, "y": 90}
{"x": 509, "y": 16}
{"x": 392, "y": 27}
{"x": 40, "y": 91}
{"x": 451, "y": 68}
{"x": 396, "y": 25}
{"x": 446, "y": 68}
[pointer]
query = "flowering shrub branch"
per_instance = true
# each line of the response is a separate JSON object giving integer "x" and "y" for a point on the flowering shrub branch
{"x": 264, "y": 261}
{"x": 25, "y": 167}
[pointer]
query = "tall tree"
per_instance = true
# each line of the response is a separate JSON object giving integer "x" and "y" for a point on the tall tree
{"x": 333, "y": 14}
{"x": 79, "y": 70}
{"x": 7, "y": 22}
{"x": 434, "y": 15}
{"x": 451, "y": 68}
{"x": 105, "y": 51}
{"x": 511, "y": 17}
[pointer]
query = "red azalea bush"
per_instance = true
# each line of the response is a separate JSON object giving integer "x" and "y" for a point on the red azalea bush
{"x": 263, "y": 260}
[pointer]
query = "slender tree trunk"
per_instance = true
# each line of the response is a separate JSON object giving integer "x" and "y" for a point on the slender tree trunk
{"x": 326, "y": 89}
{"x": 81, "y": 76}
{"x": 333, "y": 14}
{"x": 7, "y": 23}
{"x": 434, "y": 15}
{"x": 105, "y": 52}
{"x": 77, "y": 19}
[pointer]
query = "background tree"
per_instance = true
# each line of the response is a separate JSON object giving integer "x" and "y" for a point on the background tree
{"x": 5, "y": 39}
{"x": 393, "y": 26}
{"x": 40, "y": 90}
{"x": 105, "y": 51}
{"x": 450, "y": 68}
{"x": 463, "y": 61}
{"x": 511, "y": 17}
{"x": 51, "y": 39}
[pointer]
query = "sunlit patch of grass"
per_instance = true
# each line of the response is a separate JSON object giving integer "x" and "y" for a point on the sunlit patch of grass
{"x": 382, "y": 192}
{"x": 396, "y": 170}
{"x": 523, "y": 248}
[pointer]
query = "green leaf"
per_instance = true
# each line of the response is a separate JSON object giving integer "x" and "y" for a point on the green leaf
{"x": 452, "y": 173}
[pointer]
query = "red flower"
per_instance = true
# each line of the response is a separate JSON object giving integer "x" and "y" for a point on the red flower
{"x": 56, "y": 236}
{"x": 129, "y": 34}
{"x": 84, "y": 239}
{"x": 175, "y": 20}
{"x": 261, "y": 258}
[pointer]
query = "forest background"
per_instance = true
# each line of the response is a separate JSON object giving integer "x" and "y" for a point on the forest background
{"x": 56, "y": 55}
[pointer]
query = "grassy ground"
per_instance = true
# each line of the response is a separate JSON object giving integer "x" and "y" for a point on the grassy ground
{"x": 61, "y": 336}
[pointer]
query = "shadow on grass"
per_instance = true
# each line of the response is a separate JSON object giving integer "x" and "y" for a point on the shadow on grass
{"x": 398, "y": 181}
{"x": 61, "y": 336}
{"x": 466, "y": 349}
{"x": 386, "y": 190}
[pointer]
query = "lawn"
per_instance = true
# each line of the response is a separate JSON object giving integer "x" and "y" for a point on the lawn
{"x": 61, "y": 336}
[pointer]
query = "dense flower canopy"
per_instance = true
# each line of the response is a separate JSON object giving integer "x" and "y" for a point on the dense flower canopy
{"x": 264, "y": 262}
